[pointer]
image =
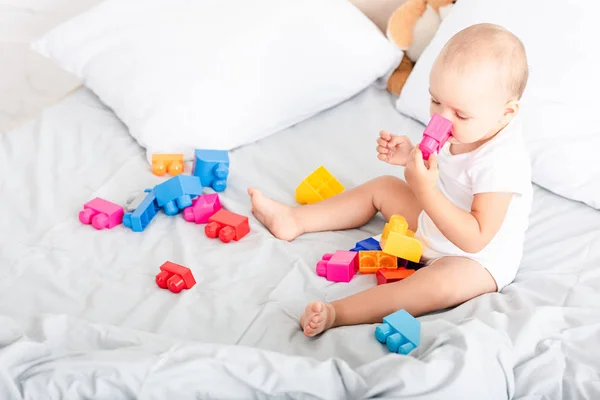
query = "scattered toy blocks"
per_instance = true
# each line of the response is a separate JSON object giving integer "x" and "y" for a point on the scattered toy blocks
{"x": 436, "y": 134}
{"x": 212, "y": 167}
{"x": 399, "y": 241}
{"x": 393, "y": 275}
{"x": 369, "y": 262}
{"x": 139, "y": 219}
{"x": 163, "y": 163}
{"x": 227, "y": 226}
{"x": 338, "y": 267}
{"x": 101, "y": 214}
{"x": 175, "y": 277}
{"x": 176, "y": 193}
{"x": 400, "y": 331}
{"x": 367, "y": 245}
{"x": 318, "y": 186}
{"x": 202, "y": 208}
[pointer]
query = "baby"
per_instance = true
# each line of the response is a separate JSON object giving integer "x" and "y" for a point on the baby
{"x": 469, "y": 205}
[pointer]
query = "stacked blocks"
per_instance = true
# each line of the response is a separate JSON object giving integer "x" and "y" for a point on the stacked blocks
{"x": 203, "y": 207}
{"x": 163, "y": 163}
{"x": 139, "y": 219}
{"x": 399, "y": 241}
{"x": 175, "y": 277}
{"x": 318, "y": 186}
{"x": 101, "y": 214}
{"x": 227, "y": 226}
{"x": 366, "y": 245}
{"x": 392, "y": 275}
{"x": 212, "y": 167}
{"x": 400, "y": 331}
{"x": 176, "y": 193}
{"x": 369, "y": 262}
{"x": 338, "y": 267}
{"x": 436, "y": 134}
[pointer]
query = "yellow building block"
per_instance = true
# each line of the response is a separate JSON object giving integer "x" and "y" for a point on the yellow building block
{"x": 318, "y": 186}
{"x": 163, "y": 163}
{"x": 400, "y": 241}
{"x": 369, "y": 262}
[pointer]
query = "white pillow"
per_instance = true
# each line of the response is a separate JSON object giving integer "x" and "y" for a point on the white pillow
{"x": 217, "y": 74}
{"x": 560, "y": 105}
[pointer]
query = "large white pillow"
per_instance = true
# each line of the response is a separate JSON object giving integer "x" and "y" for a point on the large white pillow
{"x": 185, "y": 74}
{"x": 561, "y": 104}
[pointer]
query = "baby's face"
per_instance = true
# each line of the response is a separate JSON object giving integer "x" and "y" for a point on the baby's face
{"x": 473, "y": 100}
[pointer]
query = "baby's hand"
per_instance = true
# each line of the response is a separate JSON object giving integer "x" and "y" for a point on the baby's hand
{"x": 393, "y": 149}
{"x": 421, "y": 175}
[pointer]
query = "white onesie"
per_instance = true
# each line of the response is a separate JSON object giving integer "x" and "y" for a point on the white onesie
{"x": 500, "y": 165}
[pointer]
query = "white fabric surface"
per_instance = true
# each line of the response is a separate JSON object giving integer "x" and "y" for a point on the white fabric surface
{"x": 562, "y": 124}
{"x": 81, "y": 316}
{"x": 186, "y": 74}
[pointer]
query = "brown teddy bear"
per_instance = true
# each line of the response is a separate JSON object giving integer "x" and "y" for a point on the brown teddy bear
{"x": 411, "y": 27}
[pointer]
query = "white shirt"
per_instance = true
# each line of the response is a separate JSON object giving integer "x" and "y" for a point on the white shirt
{"x": 499, "y": 165}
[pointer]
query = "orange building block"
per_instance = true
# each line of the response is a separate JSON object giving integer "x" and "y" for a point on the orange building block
{"x": 163, "y": 163}
{"x": 392, "y": 275}
{"x": 400, "y": 241}
{"x": 369, "y": 262}
{"x": 318, "y": 186}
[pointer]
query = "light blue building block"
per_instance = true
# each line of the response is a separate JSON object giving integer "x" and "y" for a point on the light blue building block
{"x": 212, "y": 167}
{"x": 139, "y": 219}
{"x": 400, "y": 331}
{"x": 177, "y": 193}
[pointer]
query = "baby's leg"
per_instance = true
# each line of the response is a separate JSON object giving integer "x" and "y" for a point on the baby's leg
{"x": 446, "y": 283}
{"x": 349, "y": 209}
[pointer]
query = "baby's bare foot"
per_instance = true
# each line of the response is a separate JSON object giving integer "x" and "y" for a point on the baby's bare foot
{"x": 317, "y": 318}
{"x": 277, "y": 217}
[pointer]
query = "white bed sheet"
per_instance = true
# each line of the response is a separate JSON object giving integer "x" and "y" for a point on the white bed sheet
{"x": 81, "y": 316}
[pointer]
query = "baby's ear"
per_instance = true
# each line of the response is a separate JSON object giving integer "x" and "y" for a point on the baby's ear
{"x": 511, "y": 110}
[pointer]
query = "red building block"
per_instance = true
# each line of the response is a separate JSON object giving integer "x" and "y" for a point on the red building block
{"x": 227, "y": 226}
{"x": 175, "y": 277}
{"x": 392, "y": 275}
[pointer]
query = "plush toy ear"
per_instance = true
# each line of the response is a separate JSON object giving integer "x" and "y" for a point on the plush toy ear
{"x": 398, "y": 78}
{"x": 402, "y": 22}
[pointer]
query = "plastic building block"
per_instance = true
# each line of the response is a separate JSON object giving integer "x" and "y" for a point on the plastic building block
{"x": 134, "y": 202}
{"x": 203, "y": 207}
{"x": 392, "y": 275}
{"x": 436, "y": 134}
{"x": 175, "y": 277}
{"x": 400, "y": 331}
{"x": 367, "y": 245}
{"x": 139, "y": 219}
{"x": 399, "y": 241}
{"x": 101, "y": 214}
{"x": 176, "y": 193}
{"x": 227, "y": 226}
{"x": 338, "y": 267}
{"x": 163, "y": 163}
{"x": 212, "y": 167}
{"x": 318, "y": 186}
{"x": 369, "y": 262}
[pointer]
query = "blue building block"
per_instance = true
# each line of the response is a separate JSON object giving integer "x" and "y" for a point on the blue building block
{"x": 400, "y": 331}
{"x": 367, "y": 245}
{"x": 212, "y": 167}
{"x": 176, "y": 193}
{"x": 139, "y": 219}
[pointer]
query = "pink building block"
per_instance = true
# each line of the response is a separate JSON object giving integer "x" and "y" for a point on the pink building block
{"x": 338, "y": 267}
{"x": 101, "y": 214}
{"x": 436, "y": 134}
{"x": 202, "y": 208}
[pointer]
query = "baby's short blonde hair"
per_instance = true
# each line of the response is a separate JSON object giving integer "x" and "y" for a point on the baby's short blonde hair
{"x": 489, "y": 43}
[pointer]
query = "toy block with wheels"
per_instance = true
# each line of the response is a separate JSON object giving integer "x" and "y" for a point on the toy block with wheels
{"x": 400, "y": 331}
{"x": 177, "y": 193}
{"x": 203, "y": 207}
{"x": 393, "y": 275}
{"x": 139, "y": 219}
{"x": 227, "y": 226}
{"x": 369, "y": 262}
{"x": 167, "y": 163}
{"x": 175, "y": 277}
{"x": 318, "y": 186}
{"x": 212, "y": 167}
{"x": 436, "y": 134}
{"x": 399, "y": 241}
{"x": 366, "y": 245}
{"x": 338, "y": 267}
{"x": 101, "y": 214}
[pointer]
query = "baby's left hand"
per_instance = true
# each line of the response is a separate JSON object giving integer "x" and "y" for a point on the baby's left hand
{"x": 421, "y": 175}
